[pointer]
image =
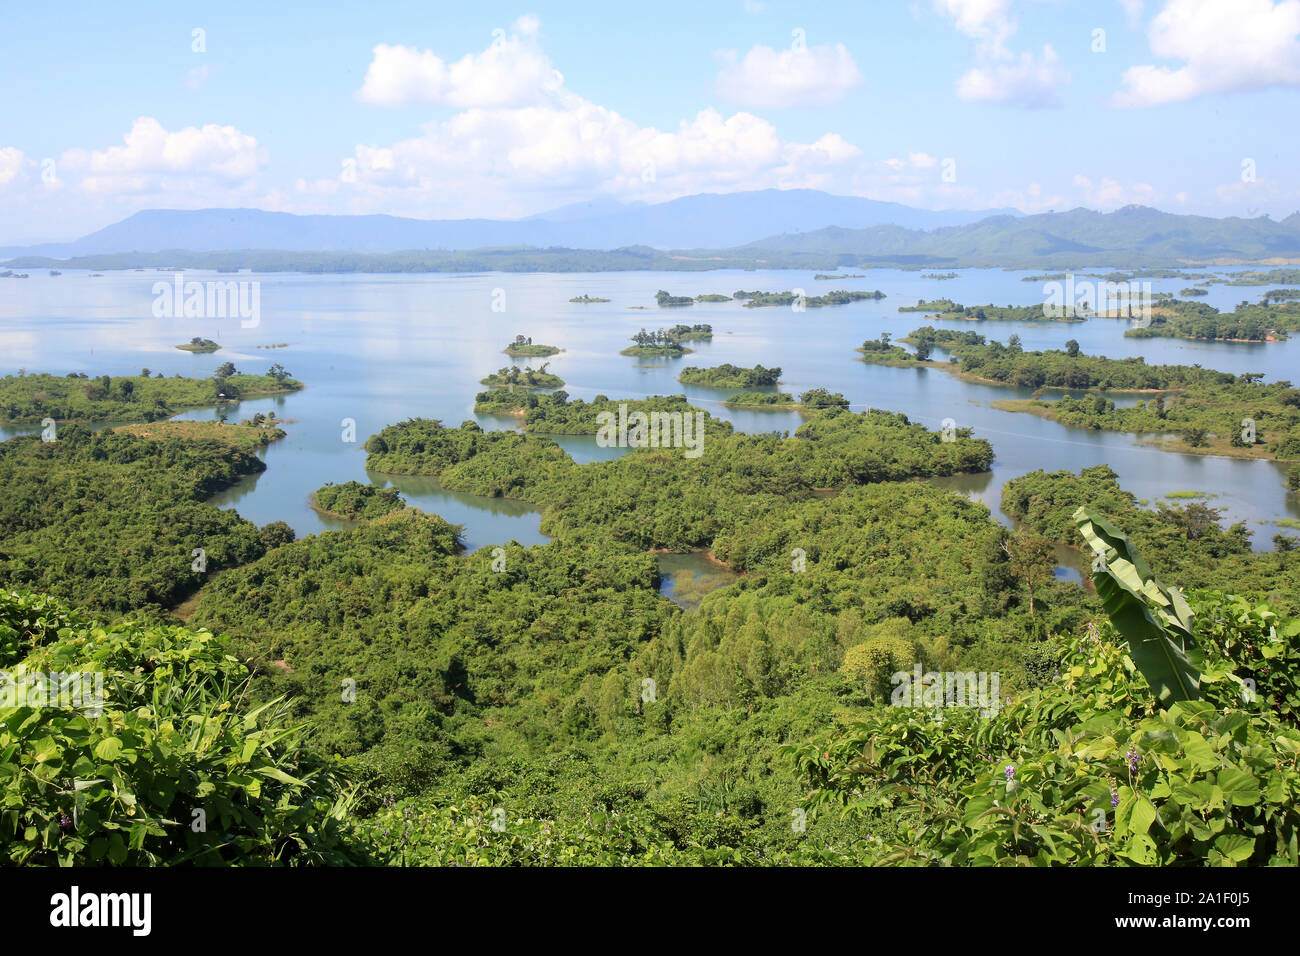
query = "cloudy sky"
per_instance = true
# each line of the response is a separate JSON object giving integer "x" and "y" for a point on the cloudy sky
{"x": 450, "y": 110}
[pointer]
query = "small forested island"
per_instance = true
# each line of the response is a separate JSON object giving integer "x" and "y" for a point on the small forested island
{"x": 939, "y": 275}
{"x": 701, "y": 332}
{"x": 587, "y": 299}
{"x": 354, "y": 501}
{"x": 813, "y": 399}
{"x": 948, "y": 309}
{"x": 667, "y": 300}
{"x": 55, "y": 272}
{"x": 277, "y": 345}
{"x": 29, "y": 398}
{"x": 1197, "y": 320}
{"x": 757, "y": 300}
{"x": 662, "y": 343}
{"x": 1195, "y": 290}
{"x": 198, "y": 344}
{"x": 713, "y": 297}
{"x": 523, "y": 346}
{"x": 730, "y": 376}
{"x": 516, "y": 377}
{"x": 822, "y": 276}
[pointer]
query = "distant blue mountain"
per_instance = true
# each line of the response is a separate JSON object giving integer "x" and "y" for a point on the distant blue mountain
{"x": 705, "y": 221}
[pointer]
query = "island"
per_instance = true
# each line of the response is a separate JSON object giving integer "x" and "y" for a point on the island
{"x": 938, "y": 275}
{"x": 76, "y": 397}
{"x": 660, "y": 344}
{"x": 1199, "y": 321}
{"x": 523, "y": 346}
{"x": 758, "y": 300}
{"x": 199, "y": 345}
{"x": 713, "y": 297}
{"x": 667, "y": 300}
{"x": 730, "y": 376}
{"x": 821, "y": 276}
{"x": 516, "y": 377}
{"x": 949, "y": 310}
{"x": 587, "y": 299}
{"x": 812, "y": 400}
{"x": 353, "y": 501}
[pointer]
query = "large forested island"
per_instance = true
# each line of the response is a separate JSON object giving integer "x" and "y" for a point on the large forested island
{"x": 1196, "y": 409}
{"x": 1198, "y": 321}
{"x": 76, "y": 397}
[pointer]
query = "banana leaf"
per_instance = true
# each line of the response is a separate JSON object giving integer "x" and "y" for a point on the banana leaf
{"x": 1154, "y": 619}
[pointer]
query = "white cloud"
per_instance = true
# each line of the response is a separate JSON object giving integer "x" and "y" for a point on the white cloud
{"x": 1000, "y": 75}
{"x": 527, "y": 143}
{"x": 1020, "y": 81}
{"x": 1133, "y": 11}
{"x": 808, "y": 76}
{"x": 11, "y": 164}
{"x": 988, "y": 21}
{"x": 511, "y": 72}
{"x": 1225, "y": 47}
{"x": 154, "y": 160}
{"x": 1112, "y": 194}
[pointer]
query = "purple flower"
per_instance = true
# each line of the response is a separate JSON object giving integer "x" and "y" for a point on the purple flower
{"x": 1010, "y": 772}
{"x": 1132, "y": 760}
{"x": 1114, "y": 799}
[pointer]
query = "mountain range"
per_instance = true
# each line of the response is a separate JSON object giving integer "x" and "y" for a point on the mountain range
{"x": 709, "y": 220}
{"x": 732, "y": 231}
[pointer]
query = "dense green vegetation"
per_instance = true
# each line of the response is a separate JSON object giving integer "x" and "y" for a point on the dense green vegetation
{"x": 198, "y": 344}
{"x": 730, "y": 376}
{"x": 356, "y": 502}
{"x": 587, "y": 298}
{"x": 713, "y": 297}
{"x": 523, "y": 345}
{"x": 546, "y": 705}
{"x": 516, "y": 377}
{"x": 27, "y": 399}
{"x": 179, "y": 765}
{"x": 111, "y": 521}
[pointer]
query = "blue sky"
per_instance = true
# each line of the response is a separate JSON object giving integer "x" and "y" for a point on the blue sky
{"x": 422, "y": 109}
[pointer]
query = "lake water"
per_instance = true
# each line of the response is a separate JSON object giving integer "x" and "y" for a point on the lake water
{"x": 378, "y": 349}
